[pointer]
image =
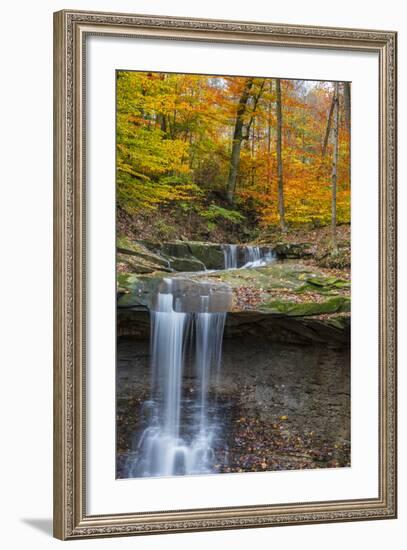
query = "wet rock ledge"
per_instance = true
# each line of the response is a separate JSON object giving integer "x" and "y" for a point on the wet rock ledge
{"x": 178, "y": 256}
{"x": 286, "y": 301}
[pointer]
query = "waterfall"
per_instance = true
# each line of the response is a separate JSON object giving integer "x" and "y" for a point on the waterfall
{"x": 181, "y": 421}
{"x": 254, "y": 256}
{"x": 257, "y": 257}
{"x": 230, "y": 255}
{"x": 182, "y": 427}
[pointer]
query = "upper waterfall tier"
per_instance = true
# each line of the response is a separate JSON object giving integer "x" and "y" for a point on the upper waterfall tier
{"x": 191, "y": 256}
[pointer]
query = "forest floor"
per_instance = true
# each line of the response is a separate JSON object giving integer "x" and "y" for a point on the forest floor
{"x": 177, "y": 223}
{"x": 257, "y": 445}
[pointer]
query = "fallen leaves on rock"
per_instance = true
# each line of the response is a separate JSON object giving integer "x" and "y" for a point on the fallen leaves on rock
{"x": 256, "y": 445}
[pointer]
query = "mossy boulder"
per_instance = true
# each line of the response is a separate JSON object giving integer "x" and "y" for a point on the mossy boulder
{"x": 149, "y": 257}
{"x": 186, "y": 264}
{"x": 137, "y": 264}
{"x": 209, "y": 254}
{"x": 292, "y": 250}
{"x": 177, "y": 249}
{"x": 338, "y": 259}
{"x": 134, "y": 257}
{"x": 137, "y": 291}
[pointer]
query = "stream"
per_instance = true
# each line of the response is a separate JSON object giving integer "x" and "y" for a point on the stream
{"x": 181, "y": 397}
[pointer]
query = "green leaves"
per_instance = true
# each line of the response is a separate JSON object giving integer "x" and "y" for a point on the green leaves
{"x": 217, "y": 213}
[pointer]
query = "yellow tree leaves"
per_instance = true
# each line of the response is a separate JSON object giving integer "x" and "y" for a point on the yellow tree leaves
{"x": 174, "y": 142}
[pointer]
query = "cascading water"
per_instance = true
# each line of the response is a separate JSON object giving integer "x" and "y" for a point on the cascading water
{"x": 257, "y": 257}
{"x": 181, "y": 423}
{"x": 253, "y": 256}
{"x": 181, "y": 430}
{"x": 230, "y": 255}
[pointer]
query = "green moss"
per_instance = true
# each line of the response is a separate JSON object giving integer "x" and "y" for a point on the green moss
{"x": 123, "y": 279}
{"x": 209, "y": 254}
{"x": 338, "y": 304}
{"x": 125, "y": 243}
{"x": 327, "y": 282}
{"x": 186, "y": 264}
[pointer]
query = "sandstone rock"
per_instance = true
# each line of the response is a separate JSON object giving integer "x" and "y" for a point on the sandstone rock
{"x": 186, "y": 264}
{"x": 210, "y": 254}
{"x": 292, "y": 250}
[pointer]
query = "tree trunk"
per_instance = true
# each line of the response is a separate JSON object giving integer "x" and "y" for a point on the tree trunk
{"x": 346, "y": 97}
{"x": 161, "y": 119}
{"x": 268, "y": 185}
{"x": 335, "y": 159}
{"x": 237, "y": 139}
{"x": 281, "y": 210}
{"x": 253, "y": 152}
{"x": 328, "y": 126}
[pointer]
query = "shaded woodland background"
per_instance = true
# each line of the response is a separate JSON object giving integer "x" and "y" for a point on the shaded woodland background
{"x": 230, "y": 159}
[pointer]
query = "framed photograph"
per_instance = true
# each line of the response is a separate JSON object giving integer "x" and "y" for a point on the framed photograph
{"x": 225, "y": 274}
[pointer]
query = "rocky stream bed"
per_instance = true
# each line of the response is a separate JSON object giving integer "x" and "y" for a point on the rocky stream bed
{"x": 284, "y": 387}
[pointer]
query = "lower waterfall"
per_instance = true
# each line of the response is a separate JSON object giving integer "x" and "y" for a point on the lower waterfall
{"x": 181, "y": 427}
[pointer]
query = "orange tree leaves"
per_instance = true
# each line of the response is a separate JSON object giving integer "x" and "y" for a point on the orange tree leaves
{"x": 174, "y": 138}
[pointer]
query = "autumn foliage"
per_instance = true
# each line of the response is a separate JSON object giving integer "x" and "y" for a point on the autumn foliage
{"x": 175, "y": 134}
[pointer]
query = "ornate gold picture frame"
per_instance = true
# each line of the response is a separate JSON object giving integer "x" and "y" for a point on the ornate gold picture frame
{"x": 71, "y": 517}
